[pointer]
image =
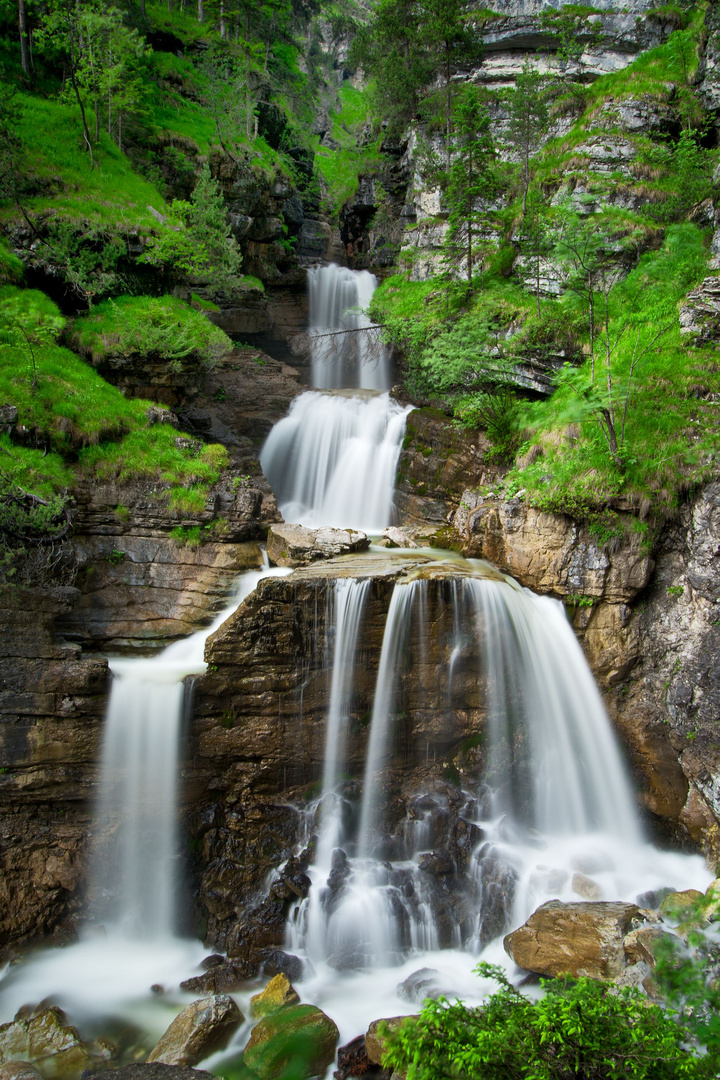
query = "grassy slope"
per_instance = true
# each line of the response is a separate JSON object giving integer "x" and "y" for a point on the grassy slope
{"x": 672, "y": 431}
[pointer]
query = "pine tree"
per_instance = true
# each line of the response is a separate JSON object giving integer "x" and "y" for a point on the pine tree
{"x": 529, "y": 118}
{"x": 471, "y": 180}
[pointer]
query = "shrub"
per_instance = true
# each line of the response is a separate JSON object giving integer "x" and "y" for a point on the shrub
{"x": 583, "y": 1030}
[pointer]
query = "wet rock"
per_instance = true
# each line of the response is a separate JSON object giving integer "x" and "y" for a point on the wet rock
{"x": 301, "y": 1034}
{"x": 47, "y": 1041}
{"x": 640, "y": 944}
{"x": 653, "y": 898}
{"x": 199, "y": 1030}
{"x": 436, "y": 862}
{"x": 221, "y": 978}
{"x": 498, "y": 882}
{"x": 278, "y": 994}
{"x": 398, "y": 538}
{"x": 19, "y": 1070}
{"x": 352, "y": 1060}
{"x": 677, "y": 905}
{"x": 282, "y": 963}
{"x": 574, "y": 939}
{"x": 295, "y": 545}
{"x": 214, "y": 960}
{"x": 586, "y": 887}
{"x": 376, "y": 1041}
{"x": 155, "y": 1071}
{"x": 422, "y": 984}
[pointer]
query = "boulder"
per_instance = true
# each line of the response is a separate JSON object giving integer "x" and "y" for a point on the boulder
{"x": 677, "y": 905}
{"x": 219, "y": 978}
{"x": 19, "y": 1070}
{"x": 295, "y": 545}
{"x": 376, "y": 1036}
{"x": 422, "y": 984}
{"x": 8, "y": 415}
{"x": 199, "y": 1030}
{"x": 574, "y": 939}
{"x": 45, "y": 1040}
{"x": 156, "y": 1071}
{"x": 586, "y": 887}
{"x": 281, "y": 963}
{"x": 278, "y": 994}
{"x": 398, "y": 538}
{"x": 300, "y": 1036}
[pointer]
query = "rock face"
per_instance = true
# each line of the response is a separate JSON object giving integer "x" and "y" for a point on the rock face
{"x": 156, "y": 1071}
{"x": 550, "y": 552}
{"x": 574, "y": 939}
{"x": 302, "y": 1035}
{"x": 437, "y": 463}
{"x": 700, "y": 314}
{"x": 198, "y": 1031}
{"x": 295, "y": 545}
{"x": 52, "y": 701}
{"x": 144, "y": 577}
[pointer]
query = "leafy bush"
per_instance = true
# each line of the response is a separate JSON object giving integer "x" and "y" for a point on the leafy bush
{"x": 577, "y": 1031}
{"x": 161, "y": 327}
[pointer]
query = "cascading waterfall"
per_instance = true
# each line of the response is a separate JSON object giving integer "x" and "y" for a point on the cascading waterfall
{"x": 332, "y": 460}
{"x": 135, "y": 863}
{"x": 355, "y": 359}
{"x": 555, "y": 797}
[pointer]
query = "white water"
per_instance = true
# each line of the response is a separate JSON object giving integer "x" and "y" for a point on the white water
{"x": 357, "y": 358}
{"x": 555, "y": 802}
{"x": 332, "y": 460}
{"x": 135, "y": 862}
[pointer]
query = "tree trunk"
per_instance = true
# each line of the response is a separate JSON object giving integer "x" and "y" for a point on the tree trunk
{"x": 24, "y": 40}
{"x": 222, "y": 19}
{"x": 86, "y": 133}
{"x": 201, "y": 11}
{"x": 591, "y": 300}
{"x": 119, "y": 131}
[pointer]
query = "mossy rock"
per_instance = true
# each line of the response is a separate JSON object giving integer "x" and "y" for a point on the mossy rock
{"x": 677, "y": 904}
{"x": 300, "y": 1037}
{"x": 278, "y": 994}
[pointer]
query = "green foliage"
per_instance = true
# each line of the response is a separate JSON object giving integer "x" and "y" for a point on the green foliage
{"x": 576, "y": 1030}
{"x": 88, "y": 257}
{"x": 161, "y": 327}
{"x": 206, "y": 249}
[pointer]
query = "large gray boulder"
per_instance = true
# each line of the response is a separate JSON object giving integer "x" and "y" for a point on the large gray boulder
{"x": 296, "y": 545}
{"x": 199, "y": 1030}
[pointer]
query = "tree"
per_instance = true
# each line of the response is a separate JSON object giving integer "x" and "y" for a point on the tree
{"x": 449, "y": 40}
{"x": 529, "y": 117}
{"x": 206, "y": 247}
{"x": 24, "y": 38}
{"x": 582, "y": 248}
{"x": 535, "y": 236}
{"x": 471, "y": 181}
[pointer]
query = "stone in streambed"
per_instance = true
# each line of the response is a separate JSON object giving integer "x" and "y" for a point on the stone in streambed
{"x": 46, "y": 1041}
{"x": 574, "y": 939}
{"x": 676, "y": 905}
{"x": 156, "y": 1071}
{"x": 199, "y": 1030}
{"x": 376, "y": 1036}
{"x": 278, "y": 962}
{"x": 19, "y": 1070}
{"x": 221, "y": 978}
{"x": 278, "y": 994}
{"x": 295, "y": 545}
{"x": 422, "y": 984}
{"x": 586, "y": 887}
{"x": 640, "y": 945}
{"x": 300, "y": 1037}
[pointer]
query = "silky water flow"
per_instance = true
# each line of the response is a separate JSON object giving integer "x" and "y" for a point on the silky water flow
{"x": 332, "y": 459}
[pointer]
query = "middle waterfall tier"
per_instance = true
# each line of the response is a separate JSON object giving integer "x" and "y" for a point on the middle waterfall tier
{"x": 332, "y": 460}
{"x": 406, "y": 862}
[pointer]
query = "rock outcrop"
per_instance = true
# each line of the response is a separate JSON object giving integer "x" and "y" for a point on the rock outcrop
{"x": 296, "y": 545}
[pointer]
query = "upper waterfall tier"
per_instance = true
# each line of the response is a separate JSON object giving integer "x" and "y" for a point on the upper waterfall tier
{"x": 355, "y": 357}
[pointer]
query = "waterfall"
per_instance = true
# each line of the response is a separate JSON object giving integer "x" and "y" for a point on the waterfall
{"x": 553, "y": 799}
{"x": 332, "y": 459}
{"x": 356, "y": 358}
{"x": 135, "y": 863}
